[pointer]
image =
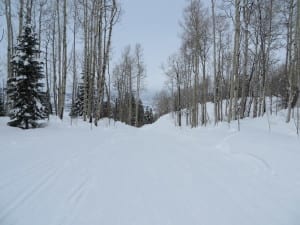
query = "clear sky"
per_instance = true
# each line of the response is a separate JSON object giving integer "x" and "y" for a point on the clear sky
{"x": 155, "y": 25}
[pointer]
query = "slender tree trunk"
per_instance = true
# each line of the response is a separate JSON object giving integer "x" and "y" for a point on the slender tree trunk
{"x": 85, "y": 68}
{"x": 204, "y": 93}
{"x": 291, "y": 66}
{"x": 29, "y": 11}
{"x": 59, "y": 63}
{"x": 297, "y": 79}
{"x": 21, "y": 9}
{"x": 236, "y": 59}
{"x": 246, "y": 16}
{"x": 215, "y": 62}
{"x": 64, "y": 68}
{"x": 47, "y": 81}
{"x": 10, "y": 37}
{"x": 100, "y": 65}
{"x": 74, "y": 86}
{"x": 54, "y": 61}
{"x": 40, "y": 23}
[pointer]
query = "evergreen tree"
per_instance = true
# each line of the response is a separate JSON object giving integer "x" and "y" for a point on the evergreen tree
{"x": 26, "y": 98}
{"x": 148, "y": 116}
{"x": 140, "y": 114}
{"x": 77, "y": 108}
{"x": 2, "y": 110}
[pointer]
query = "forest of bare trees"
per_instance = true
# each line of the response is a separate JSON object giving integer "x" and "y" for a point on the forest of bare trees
{"x": 241, "y": 55}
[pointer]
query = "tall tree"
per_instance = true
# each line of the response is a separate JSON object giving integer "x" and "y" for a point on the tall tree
{"x": 291, "y": 62}
{"x": 25, "y": 87}
{"x": 233, "y": 107}
{"x": 140, "y": 75}
{"x": 214, "y": 61}
{"x": 62, "y": 88}
{"x": 10, "y": 36}
{"x": 175, "y": 75}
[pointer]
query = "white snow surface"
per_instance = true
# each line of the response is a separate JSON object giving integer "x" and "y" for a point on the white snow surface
{"x": 155, "y": 175}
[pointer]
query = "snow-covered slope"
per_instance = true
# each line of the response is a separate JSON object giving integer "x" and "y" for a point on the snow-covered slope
{"x": 155, "y": 175}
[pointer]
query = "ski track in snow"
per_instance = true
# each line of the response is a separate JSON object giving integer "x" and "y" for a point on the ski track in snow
{"x": 259, "y": 163}
{"x": 29, "y": 193}
{"x": 73, "y": 202}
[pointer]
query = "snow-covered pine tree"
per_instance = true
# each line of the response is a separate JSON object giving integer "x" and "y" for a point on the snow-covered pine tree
{"x": 26, "y": 97}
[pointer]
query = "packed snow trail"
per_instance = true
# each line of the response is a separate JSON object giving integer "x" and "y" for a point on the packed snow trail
{"x": 155, "y": 175}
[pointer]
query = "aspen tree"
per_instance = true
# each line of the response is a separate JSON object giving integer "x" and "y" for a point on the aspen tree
{"x": 63, "y": 82}
{"x": 214, "y": 61}
{"x": 297, "y": 69}
{"x": 233, "y": 107}
{"x": 290, "y": 65}
{"x": 74, "y": 84}
{"x": 54, "y": 62}
{"x": 246, "y": 14}
{"x": 140, "y": 75}
{"x": 10, "y": 36}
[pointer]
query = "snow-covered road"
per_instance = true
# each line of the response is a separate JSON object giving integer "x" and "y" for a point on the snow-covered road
{"x": 155, "y": 175}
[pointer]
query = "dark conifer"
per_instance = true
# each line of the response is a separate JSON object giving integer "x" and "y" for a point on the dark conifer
{"x": 26, "y": 97}
{"x": 2, "y": 108}
{"x": 77, "y": 107}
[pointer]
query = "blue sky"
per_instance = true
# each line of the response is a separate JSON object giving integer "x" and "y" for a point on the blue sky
{"x": 155, "y": 25}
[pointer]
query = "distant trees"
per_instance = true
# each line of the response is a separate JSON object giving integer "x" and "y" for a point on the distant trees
{"x": 122, "y": 102}
{"x": 162, "y": 103}
{"x": 175, "y": 72}
{"x": 128, "y": 76}
{"x": 148, "y": 116}
{"x": 26, "y": 97}
{"x": 187, "y": 70}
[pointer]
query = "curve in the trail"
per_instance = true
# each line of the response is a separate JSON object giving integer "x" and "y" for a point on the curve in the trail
{"x": 258, "y": 162}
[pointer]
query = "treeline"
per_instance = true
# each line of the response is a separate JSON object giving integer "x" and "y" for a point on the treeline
{"x": 73, "y": 43}
{"x": 238, "y": 55}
